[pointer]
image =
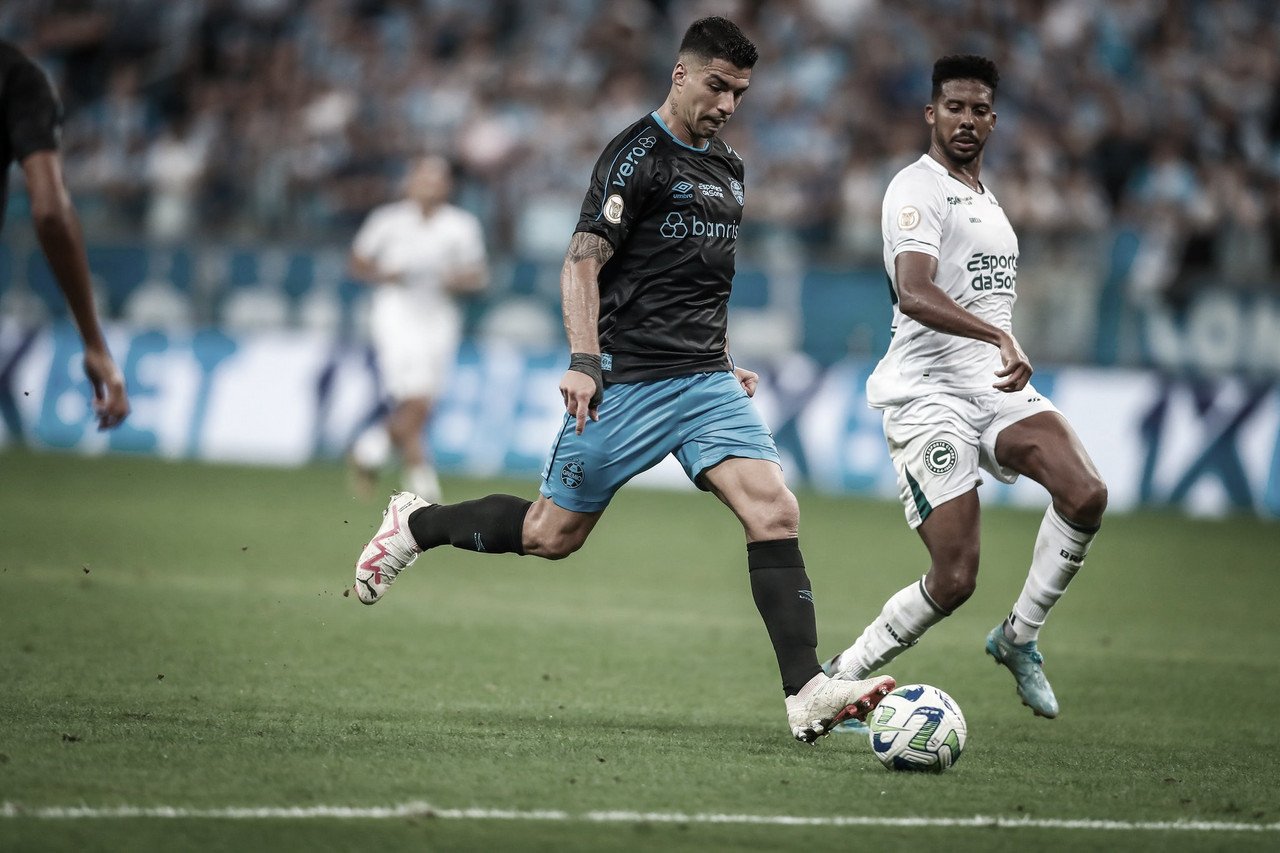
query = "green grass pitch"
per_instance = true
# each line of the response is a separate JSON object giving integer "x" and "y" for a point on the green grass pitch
{"x": 176, "y": 635}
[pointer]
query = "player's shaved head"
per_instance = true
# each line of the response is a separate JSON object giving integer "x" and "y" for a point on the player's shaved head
{"x": 718, "y": 38}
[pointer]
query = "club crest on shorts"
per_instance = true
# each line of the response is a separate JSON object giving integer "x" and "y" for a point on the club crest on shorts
{"x": 940, "y": 456}
{"x": 573, "y": 473}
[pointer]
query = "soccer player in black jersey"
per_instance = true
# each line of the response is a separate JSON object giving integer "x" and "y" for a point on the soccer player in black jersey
{"x": 645, "y": 289}
{"x": 30, "y": 118}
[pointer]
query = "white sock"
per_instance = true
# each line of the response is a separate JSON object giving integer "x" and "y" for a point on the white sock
{"x": 1060, "y": 550}
{"x": 907, "y": 614}
{"x": 372, "y": 448}
{"x": 423, "y": 482}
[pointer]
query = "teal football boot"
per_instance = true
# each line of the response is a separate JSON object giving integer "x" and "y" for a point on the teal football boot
{"x": 1027, "y": 665}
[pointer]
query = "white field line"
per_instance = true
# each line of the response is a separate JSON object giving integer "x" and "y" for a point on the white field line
{"x": 419, "y": 809}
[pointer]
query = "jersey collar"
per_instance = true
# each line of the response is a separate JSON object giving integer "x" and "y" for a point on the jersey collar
{"x": 677, "y": 140}
{"x": 942, "y": 170}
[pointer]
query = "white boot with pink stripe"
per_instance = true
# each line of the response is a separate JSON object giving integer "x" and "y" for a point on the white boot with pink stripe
{"x": 390, "y": 551}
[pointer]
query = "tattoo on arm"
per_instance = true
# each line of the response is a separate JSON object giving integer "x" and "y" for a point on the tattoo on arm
{"x": 584, "y": 246}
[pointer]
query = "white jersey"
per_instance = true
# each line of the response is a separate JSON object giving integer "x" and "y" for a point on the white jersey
{"x": 416, "y": 325}
{"x": 927, "y": 210}
{"x": 424, "y": 250}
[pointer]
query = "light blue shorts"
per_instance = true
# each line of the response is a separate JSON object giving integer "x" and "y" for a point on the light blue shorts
{"x": 703, "y": 419}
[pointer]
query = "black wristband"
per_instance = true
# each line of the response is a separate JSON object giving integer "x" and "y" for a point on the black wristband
{"x": 589, "y": 363}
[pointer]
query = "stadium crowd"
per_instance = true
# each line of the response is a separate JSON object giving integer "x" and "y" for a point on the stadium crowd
{"x": 290, "y": 119}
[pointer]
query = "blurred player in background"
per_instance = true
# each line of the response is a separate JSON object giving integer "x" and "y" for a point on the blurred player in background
{"x": 954, "y": 387}
{"x": 418, "y": 253}
{"x": 32, "y": 116}
{"x": 645, "y": 288}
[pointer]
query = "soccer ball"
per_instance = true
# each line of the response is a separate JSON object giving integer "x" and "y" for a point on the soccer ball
{"x": 917, "y": 727}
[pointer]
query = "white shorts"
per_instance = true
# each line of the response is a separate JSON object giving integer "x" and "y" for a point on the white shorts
{"x": 939, "y": 442}
{"x": 415, "y": 351}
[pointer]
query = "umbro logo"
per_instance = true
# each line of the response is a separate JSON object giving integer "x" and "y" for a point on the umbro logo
{"x": 682, "y": 187}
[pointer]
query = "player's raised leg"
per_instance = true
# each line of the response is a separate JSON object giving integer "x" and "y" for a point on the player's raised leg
{"x": 1046, "y": 449}
{"x": 497, "y": 524}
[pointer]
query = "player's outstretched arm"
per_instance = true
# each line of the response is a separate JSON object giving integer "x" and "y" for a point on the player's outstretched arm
{"x": 926, "y": 303}
{"x": 582, "y": 387}
{"x": 58, "y": 230}
{"x": 468, "y": 280}
{"x": 367, "y": 271}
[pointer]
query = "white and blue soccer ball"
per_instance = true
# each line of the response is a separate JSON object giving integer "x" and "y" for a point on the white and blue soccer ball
{"x": 917, "y": 727}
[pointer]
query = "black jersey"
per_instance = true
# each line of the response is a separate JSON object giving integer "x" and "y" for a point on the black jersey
{"x": 671, "y": 213}
{"x": 30, "y": 114}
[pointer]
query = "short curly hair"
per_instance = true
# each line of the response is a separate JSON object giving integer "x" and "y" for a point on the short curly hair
{"x": 964, "y": 67}
{"x": 719, "y": 38}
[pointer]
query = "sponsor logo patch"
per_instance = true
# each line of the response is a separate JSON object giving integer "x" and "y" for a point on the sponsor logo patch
{"x": 940, "y": 456}
{"x": 628, "y": 166}
{"x": 908, "y": 218}
{"x": 613, "y": 208}
{"x": 711, "y": 190}
{"x": 993, "y": 272}
{"x": 676, "y": 227}
{"x": 673, "y": 227}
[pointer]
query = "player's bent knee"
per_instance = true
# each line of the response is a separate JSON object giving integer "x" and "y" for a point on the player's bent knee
{"x": 559, "y": 547}
{"x": 953, "y": 578}
{"x": 548, "y": 534}
{"x": 1087, "y": 504}
{"x": 775, "y": 518}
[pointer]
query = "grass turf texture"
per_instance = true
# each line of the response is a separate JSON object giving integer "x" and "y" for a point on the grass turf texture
{"x": 176, "y": 634}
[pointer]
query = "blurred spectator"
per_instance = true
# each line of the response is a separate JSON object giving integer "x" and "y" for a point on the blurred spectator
{"x": 286, "y": 119}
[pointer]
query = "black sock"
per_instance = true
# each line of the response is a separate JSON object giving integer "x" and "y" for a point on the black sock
{"x": 494, "y": 525}
{"x": 784, "y": 598}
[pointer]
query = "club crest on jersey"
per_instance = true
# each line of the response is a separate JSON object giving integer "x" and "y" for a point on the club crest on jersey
{"x": 908, "y": 218}
{"x": 735, "y": 187}
{"x": 940, "y": 456}
{"x": 613, "y": 208}
{"x": 573, "y": 473}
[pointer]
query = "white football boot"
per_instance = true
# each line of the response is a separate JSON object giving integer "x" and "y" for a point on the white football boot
{"x": 824, "y": 703}
{"x": 390, "y": 551}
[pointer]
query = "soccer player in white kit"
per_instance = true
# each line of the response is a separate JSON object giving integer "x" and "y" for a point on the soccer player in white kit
{"x": 418, "y": 253}
{"x": 956, "y": 398}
